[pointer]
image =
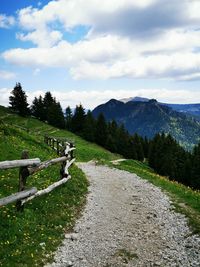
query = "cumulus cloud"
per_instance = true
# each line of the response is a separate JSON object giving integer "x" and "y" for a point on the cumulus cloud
{"x": 136, "y": 39}
{"x": 6, "y": 21}
{"x": 42, "y": 37}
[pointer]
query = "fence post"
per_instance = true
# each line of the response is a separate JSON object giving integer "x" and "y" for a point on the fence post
{"x": 63, "y": 164}
{"x": 53, "y": 143}
{"x": 72, "y": 151}
{"x": 58, "y": 147}
{"x": 23, "y": 174}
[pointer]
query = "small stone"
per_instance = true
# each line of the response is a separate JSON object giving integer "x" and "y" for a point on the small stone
{"x": 69, "y": 263}
{"x": 74, "y": 236}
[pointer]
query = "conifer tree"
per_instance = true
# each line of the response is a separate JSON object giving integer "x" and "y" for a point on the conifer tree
{"x": 37, "y": 108}
{"x": 68, "y": 118}
{"x": 55, "y": 115}
{"x": 137, "y": 143}
{"x": 112, "y": 136}
{"x": 195, "y": 175}
{"x": 78, "y": 120}
{"x": 18, "y": 101}
{"x": 101, "y": 133}
{"x": 48, "y": 101}
{"x": 89, "y": 127}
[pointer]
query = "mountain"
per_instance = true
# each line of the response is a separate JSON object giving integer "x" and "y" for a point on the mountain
{"x": 151, "y": 117}
{"x": 189, "y": 109}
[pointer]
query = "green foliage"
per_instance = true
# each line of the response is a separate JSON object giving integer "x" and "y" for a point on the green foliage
{"x": 48, "y": 109}
{"x": 18, "y": 101}
{"x": 68, "y": 118}
{"x": 150, "y": 118}
{"x": 78, "y": 120}
{"x": 28, "y": 238}
{"x": 101, "y": 133}
{"x": 168, "y": 158}
{"x": 89, "y": 127}
{"x": 195, "y": 167}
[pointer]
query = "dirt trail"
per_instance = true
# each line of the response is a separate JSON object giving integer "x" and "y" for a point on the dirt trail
{"x": 127, "y": 222}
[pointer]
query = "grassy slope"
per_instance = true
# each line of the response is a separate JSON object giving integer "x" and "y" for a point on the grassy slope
{"x": 23, "y": 235}
{"x": 29, "y": 238}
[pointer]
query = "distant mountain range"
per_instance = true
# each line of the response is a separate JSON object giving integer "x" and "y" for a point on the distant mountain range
{"x": 148, "y": 117}
{"x": 188, "y": 109}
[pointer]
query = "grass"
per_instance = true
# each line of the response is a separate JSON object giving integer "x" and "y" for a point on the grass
{"x": 29, "y": 238}
{"x": 186, "y": 200}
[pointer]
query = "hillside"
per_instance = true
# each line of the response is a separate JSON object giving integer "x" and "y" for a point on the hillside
{"x": 188, "y": 109}
{"x": 30, "y": 238}
{"x": 150, "y": 117}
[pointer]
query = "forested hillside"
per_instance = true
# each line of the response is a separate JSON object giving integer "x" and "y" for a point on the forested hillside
{"x": 149, "y": 118}
{"x": 158, "y": 124}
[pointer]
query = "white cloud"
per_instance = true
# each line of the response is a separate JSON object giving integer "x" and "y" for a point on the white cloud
{"x": 42, "y": 37}
{"x": 91, "y": 99}
{"x": 7, "y": 75}
{"x": 6, "y": 21}
{"x": 167, "y": 46}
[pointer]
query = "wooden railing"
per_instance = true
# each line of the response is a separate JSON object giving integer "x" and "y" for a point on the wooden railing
{"x": 28, "y": 167}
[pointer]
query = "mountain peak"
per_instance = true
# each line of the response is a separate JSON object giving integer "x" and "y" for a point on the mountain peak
{"x": 134, "y": 99}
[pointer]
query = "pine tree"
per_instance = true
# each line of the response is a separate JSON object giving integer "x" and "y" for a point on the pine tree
{"x": 195, "y": 175}
{"x": 89, "y": 127}
{"x": 18, "y": 101}
{"x": 48, "y": 101}
{"x": 112, "y": 136}
{"x": 68, "y": 118}
{"x": 55, "y": 115}
{"x": 78, "y": 120}
{"x": 101, "y": 133}
{"x": 37, "y": 108}
{"x": 123, "y": 141}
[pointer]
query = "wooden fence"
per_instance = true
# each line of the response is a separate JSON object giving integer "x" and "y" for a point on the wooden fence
{"x": 28, "y": 167}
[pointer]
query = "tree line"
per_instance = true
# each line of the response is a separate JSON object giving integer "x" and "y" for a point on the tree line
{"x": 163, "y": 153}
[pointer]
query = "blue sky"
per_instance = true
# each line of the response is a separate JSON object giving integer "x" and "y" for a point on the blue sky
{"x": 86, "y": 52}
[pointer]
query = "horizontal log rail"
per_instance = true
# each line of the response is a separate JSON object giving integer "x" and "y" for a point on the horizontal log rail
{"x": 17, "y": 196}
{"x": 9, "y": 164}
{"x": 46, "y": 190}
{"x": 28, "y": 167}
{"x": 46, "y": 164}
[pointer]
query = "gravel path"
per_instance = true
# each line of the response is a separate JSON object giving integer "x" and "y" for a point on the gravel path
{"x": 127, "y": 222}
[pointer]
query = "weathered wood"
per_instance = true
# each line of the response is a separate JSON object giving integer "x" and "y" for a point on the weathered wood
{"x": 9, "y": 164}
{"x": 58, "y": 148}
{"x": 46, "y": 164}
{"x": 23, "y": 174}
{"x": 46, "y": 190}
{"x": 17, "y": 196}
{"x": 70, "y": 163}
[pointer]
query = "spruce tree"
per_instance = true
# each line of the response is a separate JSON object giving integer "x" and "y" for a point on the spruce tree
{"x": 195, "y": 175}
{"x": 48, "y": 101}
{"x": 89, "y": 127}
{"x": 78, "y": 120}
{"x": 101, "y": 133}
{"x": 37, "y": 108}
{"x": 68, "y": 118}
{"x": 18, "y": 101}
{"x": 112, "y": 136}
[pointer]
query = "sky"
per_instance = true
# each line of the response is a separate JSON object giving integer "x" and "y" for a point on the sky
{"x": 89, "y": 51}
